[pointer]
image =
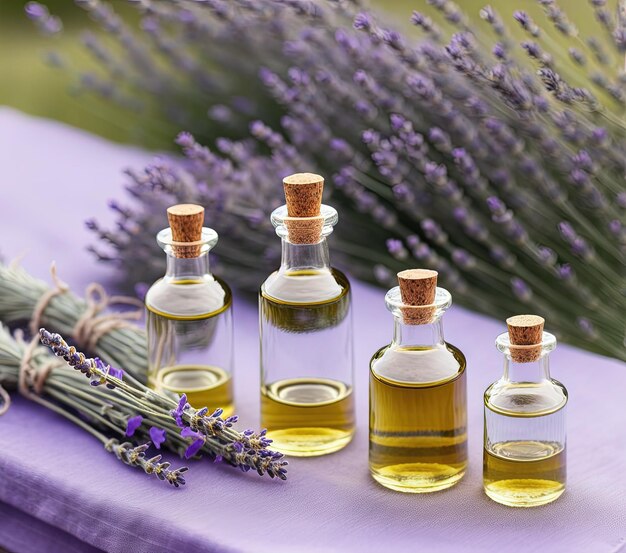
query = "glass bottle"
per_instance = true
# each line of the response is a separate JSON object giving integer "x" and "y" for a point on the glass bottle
{"x": 307, "y": 402}
{"x": 418, "y": 403}
{"x": 524, "y": 448}
{"x": 189, "y": 321}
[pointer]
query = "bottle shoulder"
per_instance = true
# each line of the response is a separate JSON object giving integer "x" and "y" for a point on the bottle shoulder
{"x": 526, "y": 398}
{"x": 417, "y": 366}
{"x": 308, "y": 286}
{"x": 203, "y": 297}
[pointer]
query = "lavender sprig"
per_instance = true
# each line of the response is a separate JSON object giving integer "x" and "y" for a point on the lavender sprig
{"x": 189, "y": 431}
{"x": 62, "y": 393}
{"x": 135, "y": 456}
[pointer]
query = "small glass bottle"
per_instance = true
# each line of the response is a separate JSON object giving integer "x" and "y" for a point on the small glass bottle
{"x": 418, "y": 403}
{"x": 189, "y": 321}
{"x": 524, "y": 449}
{"x": 305, "y": 321}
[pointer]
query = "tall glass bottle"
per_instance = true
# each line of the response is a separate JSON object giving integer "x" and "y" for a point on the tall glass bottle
{"x": 306, "y": 331}
{"x": 418, "y": 404}
{"x": 189, "y": 323}
{"x": 524, "y": 449}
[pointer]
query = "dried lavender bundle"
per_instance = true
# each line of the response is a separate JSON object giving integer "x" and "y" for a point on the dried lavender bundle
{"x": 121, "y": 403}
{"x": 24, "y": 298}
{"x": 71, "y": 395}
{"x": 500, "y": 163}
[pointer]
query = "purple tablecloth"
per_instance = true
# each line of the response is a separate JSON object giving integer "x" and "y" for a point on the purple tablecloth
{"x": 58, "y": 486}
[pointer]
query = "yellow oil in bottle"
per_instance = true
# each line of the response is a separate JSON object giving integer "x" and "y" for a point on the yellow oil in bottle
{"x": 524, "y": 473}
{"x": 205, "y": 386}
{"x": 187, "y": 327}
{"x": 418, "y": 431}
{"x": 308, "y": 416}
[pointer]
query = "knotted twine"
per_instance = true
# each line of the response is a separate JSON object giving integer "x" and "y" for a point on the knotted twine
{"x": 90, "y": 327}
{"x": 30, "y": 379}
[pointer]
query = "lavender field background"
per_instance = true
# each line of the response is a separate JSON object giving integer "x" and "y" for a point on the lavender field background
{"x": 31, "y": 85}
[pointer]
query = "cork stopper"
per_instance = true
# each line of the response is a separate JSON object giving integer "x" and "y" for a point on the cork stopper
{"x": 525, "y": 331}
{"x": 417, "y": 289}
{"x": 186, "y": 222}
{"x": 303, "y": 195}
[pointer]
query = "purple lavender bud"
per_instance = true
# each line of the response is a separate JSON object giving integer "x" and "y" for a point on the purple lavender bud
{"x": 577, "y": 56}
{"x": 621, "y": 199}
{"x": 619, "y": 35}
{"x": 433, "y": 232}
{"x": 157, "y": 435}
{"x": 132, "y": 424}
{"x": 397, "y": 122}
{"x": 533, "y": 49}
{"x": 412, "y": 240}
{"x": 435, "y": 174}
{"x": 220, "y": 113}
{"x": 567, "y": 231}
{"x": 583, "y": 160}
{"x": 565, "y": 272}
{"x": 402, "y": 192}
{"x": 499, "y": 51}
{"x": 502, "y": 257}
{"x": 35, "y": 10}
{"x": 382, "y": 274}
{"x": 363, "y": 22}
{"x": 463, "y": 259}
{"x": 521, "y": 290}
{"x": 185, "y": 140}
{"x": 496, "y": 206}
{"x": 586, "y": 326}
{"x": 546, "y": 256}
{"x": 396, "y": 248}
{"x": 440, "y": 139}
{"x": 615, "y": 226}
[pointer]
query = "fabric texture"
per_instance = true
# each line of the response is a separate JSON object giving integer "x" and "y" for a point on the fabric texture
{"x": 57, "y": 482}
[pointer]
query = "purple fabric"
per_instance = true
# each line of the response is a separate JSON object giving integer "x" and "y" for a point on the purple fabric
{"x": 53, "y": 178}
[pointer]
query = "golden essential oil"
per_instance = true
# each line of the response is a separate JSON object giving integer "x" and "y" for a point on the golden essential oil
{"x": 308, "y": 416}
{"x": 524, "y": 473}
{"x": 205, "y": 386}
{"x": 418, "y": 431}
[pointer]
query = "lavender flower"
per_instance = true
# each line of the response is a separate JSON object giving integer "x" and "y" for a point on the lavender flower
{"x": 157, "y": 435}
{"x": 132, "y": 425}
{"x": 493, "y": 144}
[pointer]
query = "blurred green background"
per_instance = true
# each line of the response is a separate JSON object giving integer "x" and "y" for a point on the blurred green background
{"x": 30, "y": 84}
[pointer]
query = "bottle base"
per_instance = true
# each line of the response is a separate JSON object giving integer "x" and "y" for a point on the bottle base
{"x": 524, "y": 492}
{"x": 309, "y": 442}
{"x": 418, "y": 477}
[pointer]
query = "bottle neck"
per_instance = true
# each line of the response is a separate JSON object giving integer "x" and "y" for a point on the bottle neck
{"x": 302, "y": 257}
{"x": 187, "y": 268}
{"x": 420, "y": 336}
{"x": 536, "y": 371}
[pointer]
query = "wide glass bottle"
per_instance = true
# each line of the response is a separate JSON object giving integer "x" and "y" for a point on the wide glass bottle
{"x": 305, "y": 321}
{"x": 189, "y": 321}
{"x": 524, "y": 448}
{"x": 418, "y": 403}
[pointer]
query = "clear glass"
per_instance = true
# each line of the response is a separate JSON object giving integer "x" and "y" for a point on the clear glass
{"x": 190, "y": 328}
{"x": 305, "y": 321}
{"x": 418, "y": 404}
{"x": 524, "y": 447}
